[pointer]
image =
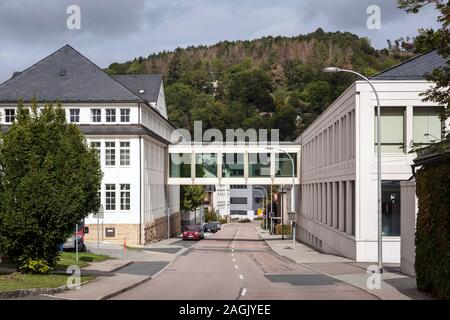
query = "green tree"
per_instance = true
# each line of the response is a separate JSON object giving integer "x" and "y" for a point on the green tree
{"x": 49, "y": 181}
{"x": 192, "y": 196}
{"x": 440, "y": 40}
{"x": 253, "y": 87}
{"x": 179, "y": 104}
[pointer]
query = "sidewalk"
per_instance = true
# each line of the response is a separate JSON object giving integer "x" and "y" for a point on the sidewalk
{"x": 394, "y": 285}
{"x": 131, "y": 268}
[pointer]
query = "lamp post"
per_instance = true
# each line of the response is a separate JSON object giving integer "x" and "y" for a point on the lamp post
{"x": 267, "y": 206}
{"x": 380, "y": 235}
{"x": 292, "y": 190}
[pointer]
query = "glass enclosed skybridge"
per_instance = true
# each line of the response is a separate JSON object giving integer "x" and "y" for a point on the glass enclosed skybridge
{"x": 252, "y": 164}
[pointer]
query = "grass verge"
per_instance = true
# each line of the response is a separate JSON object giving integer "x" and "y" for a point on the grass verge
{"x": 17, "y": 280}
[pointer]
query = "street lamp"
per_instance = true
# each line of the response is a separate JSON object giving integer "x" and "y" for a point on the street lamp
{"x": 293, "y": 174}
{"x": 266, "y": 201}
{"x": 292, "y": 190}
{"x": 380, "y": 236}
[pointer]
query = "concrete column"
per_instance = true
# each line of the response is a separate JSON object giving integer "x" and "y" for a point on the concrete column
{"x": 320, "y": 202}
{"x": 348, "y": 208}
{"x": 324, "y": 203}
{"x": 341, "y": 186}
{"x": 409, "y": 136}
{"x": 334, "y": 204}
{"x": 328, "y": 185}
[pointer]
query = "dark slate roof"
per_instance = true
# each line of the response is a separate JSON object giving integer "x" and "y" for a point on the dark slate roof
{"x": 413, "y": 69}
{"x": 67, "y": 76}
{"x": 151, "y": 85}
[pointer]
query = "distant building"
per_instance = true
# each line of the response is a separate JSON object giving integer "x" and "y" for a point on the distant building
{"x": 125, "y": 119}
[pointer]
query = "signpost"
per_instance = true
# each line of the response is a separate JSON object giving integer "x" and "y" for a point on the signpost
{"x": 292, "y": 216}
{"x": 99, "y": 215}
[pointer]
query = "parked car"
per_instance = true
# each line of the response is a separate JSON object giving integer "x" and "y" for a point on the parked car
{"x": 77, "y": 236}
{"x": 219, "y": 226}
{"x": 211, "y": 227}
{"x": 193, "y": 233}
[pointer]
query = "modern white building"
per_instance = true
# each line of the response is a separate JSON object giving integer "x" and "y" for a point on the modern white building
{"x": 221, "y": 200}
{"x": 125, "y": 119}
{"x": 338, "y": 212}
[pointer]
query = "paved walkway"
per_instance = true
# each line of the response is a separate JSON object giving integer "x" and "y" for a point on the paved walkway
{"x": 128, "y": 269}
{"x": 393, "y": 286}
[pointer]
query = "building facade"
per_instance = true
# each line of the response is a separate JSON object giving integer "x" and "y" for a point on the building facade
{"x": 338, "y": 211}
{"x": 125, "y": 119}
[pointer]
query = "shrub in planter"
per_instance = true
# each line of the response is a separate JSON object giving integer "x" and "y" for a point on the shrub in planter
{"x": 244, "y": 220}
{"x": 286, "y": 229}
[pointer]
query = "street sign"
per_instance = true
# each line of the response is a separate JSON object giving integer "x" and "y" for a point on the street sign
{"x": 99, "y": 214}
{"x": 292, "y": 216}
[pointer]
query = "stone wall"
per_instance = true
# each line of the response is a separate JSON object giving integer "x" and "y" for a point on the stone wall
{"x": 130, "y": 232}
{"x": 157, "y": 230}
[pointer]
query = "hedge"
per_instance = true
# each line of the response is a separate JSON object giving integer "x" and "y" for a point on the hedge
{"x": 433, "y": 230}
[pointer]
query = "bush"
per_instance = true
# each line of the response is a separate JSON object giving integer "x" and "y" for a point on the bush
{"x": 38, "y": 266}
{"x": 210, "y": 216}
{"x": 244, "y": 220}
{"x": 223, "y": 220}
{"x": 286, "y": 229}
{"x": 433, "y": 230}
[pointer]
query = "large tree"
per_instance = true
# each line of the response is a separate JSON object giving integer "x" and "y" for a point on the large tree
{"x": 49, "y": 181}
{"x": 439, "y": 40}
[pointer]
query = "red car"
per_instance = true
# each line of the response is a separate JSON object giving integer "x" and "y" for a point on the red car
{"x": 193, "y": 233}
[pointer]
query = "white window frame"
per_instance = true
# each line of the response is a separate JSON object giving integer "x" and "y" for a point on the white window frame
{"x": 112, "y": 155}
{"x": 8, "y": 117}
{"x": 76, "y": 116}
{"x": 111, "y": 116}
{"x": 126, "y": 116}
{"x": 125, "y": 193}
{"x": 110, "y": 194}
{"x": 95, "y": 117}
{"x": 121, "y": 155}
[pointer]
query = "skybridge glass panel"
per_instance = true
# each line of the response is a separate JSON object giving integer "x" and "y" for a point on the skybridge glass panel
{"x": 232, "y": 165}
{"x": 258, "y": 165}
{"x": 206, "y": 165}
{"x": 180, "y": 165}
{"x": 283, "y": 164}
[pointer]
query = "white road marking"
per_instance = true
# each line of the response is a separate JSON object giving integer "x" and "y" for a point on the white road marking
{"x": 232, "y": 254}
{"x": 244, "y": 291}
{"x": 241, "y": 277}
{"x": 236, "y": 266}
{"x": 234, "y": 259}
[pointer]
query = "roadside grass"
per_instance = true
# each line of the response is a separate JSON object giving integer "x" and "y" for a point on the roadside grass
{"x": 17, "y": 280}
{"x": 69, "y": 259}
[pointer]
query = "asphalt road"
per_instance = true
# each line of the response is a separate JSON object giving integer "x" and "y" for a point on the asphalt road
{"x": 235, "y": 263}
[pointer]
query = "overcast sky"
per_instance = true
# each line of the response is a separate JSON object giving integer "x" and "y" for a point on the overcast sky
{"x": 119, "y": 30}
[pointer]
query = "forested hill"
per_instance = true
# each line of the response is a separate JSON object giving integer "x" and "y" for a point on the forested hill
{"x": 272, "y": 82}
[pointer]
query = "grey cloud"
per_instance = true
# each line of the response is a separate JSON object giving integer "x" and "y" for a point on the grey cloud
{"x": 119, "y": 30}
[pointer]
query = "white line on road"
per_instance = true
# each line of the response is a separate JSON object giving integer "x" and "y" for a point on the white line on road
{"x": 241, "y": 277}
{"x": 244, "y": 291}
{"x": 234, "y": 259}
{"x": 232, "y": 254}
{"x": 236, "y": 266}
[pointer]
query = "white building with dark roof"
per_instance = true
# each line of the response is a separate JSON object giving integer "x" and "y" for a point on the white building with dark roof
{"x": 125, "y": 119}
{"x": 338, "y": 212}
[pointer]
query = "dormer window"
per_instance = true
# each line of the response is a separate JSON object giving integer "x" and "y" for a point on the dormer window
{"x": 10, "y": 115}
{"x": 96, "y": 115}
{"x": 74, "y": 115}
{"x": 110, "y": 115}
{"x": 124, "y": 115}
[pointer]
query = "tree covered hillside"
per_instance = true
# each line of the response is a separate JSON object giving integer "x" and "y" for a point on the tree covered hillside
{"x": 272, "y": 82}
